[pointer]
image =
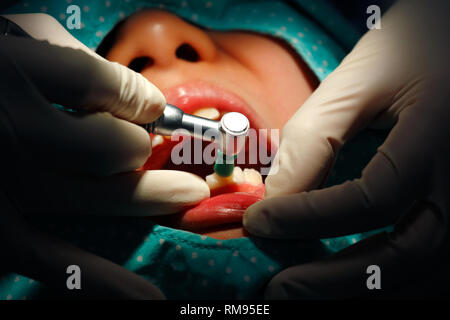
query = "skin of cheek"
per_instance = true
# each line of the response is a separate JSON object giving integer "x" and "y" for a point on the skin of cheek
{"x": 285, "y": 82}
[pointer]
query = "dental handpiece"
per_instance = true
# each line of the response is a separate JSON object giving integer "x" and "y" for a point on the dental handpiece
{"x": 230, "y": 133}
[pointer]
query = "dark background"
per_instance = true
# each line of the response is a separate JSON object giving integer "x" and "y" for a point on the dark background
{"x": 355, "y": 10}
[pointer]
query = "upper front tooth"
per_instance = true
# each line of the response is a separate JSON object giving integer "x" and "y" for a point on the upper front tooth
{"x": 209, "y": 113}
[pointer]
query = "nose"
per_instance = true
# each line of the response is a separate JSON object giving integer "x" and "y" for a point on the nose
{"x": 157, "y": 38}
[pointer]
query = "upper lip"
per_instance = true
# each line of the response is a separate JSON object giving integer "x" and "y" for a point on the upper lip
{"x": 199, "y": 94}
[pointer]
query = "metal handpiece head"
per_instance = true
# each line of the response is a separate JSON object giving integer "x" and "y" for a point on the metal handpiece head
{"x": 235, "y": 127}
{"x": 230, "y": 132}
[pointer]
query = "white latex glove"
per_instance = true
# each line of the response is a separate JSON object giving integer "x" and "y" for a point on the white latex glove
{"x": 93, "y": 142}
{"x": 56, "y": 162}
{"x": 397, "y": 76}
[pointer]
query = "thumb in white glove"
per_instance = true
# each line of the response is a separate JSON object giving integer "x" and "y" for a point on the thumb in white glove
{"x": 371, "y": 86}
{"x": 103, "y": 142}
{"x": 397, "y": 75}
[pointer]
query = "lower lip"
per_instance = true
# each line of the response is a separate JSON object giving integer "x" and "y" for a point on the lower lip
{"x": 221, "y": 215}
{"x": 219, "y": 210}
{"x": 210, "y": 217}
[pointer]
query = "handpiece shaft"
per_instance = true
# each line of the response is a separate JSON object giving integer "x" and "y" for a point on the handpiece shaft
{"x": 230, "y": 132}
{"x": 174, "y": 119}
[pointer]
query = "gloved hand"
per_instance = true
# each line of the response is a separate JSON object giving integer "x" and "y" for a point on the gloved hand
{"x": 56, "y": 162}
{"x": 396, "y": 76}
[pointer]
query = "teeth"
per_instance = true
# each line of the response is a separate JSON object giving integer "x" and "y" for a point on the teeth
{"x": 237, "y": 176}
{"x": 250, "y": 176}
{"x": 209, "y": 113}
{"x": 157, "y": 140}
{"x": 216, "y": 181}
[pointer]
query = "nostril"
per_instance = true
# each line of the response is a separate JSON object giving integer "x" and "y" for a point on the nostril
{"x": 187, "y": 52}
{"x": 138, "y": 64}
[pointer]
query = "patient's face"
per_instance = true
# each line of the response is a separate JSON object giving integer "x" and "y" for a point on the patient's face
{"x": 210, "y": 73}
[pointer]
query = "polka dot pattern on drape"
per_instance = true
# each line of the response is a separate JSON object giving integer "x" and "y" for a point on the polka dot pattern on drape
{"x": 266, "y": 16}
{"x": 183, "y": 264}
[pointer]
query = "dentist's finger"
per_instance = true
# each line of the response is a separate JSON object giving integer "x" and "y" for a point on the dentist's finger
{"x": 93, "y": 142}
{"x": 139, "y": 193}
{"x": 388, "y": 185}
{"x": 413, "y": 256}
{"x": 78, "y": 80}
{"x": 42, "y": 26}
{"x": 345, "y": 102}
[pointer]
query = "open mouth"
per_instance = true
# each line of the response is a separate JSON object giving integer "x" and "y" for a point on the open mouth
{"x": 219, "y": 216}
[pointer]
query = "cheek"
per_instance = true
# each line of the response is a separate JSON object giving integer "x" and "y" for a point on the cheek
{"x": 285, "y": 81}
{"x": 287, "y": 85}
